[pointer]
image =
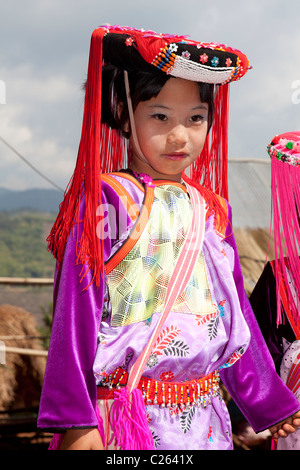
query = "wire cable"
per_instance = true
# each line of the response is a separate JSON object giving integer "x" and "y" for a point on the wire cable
{"x": 30, "y": 165}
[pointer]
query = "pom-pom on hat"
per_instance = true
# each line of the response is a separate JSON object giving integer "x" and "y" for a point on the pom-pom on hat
{"x": 284, "y": 151}
{"x": 286, "y": 148}
{"x": 103, "y": 149}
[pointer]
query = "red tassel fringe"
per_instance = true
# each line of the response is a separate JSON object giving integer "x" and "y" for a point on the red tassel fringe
{"x": 102, "y": 150}
{"x": 96, "y": 140}
{"x": 211, "y": 168}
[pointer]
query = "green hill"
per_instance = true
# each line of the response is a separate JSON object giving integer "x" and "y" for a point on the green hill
{"x": 23, "y": 246}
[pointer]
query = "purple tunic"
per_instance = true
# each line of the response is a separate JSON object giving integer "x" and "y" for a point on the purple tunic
{"x": 83, "y": 347}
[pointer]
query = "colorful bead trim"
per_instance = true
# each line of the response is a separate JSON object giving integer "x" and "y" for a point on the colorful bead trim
{"x": 174, "y": 396}
{"x": 286, "y": 151}
{"x": 116, "y": 379}
{"x": 172, "y": 57}
{"x": 165, "y": 58}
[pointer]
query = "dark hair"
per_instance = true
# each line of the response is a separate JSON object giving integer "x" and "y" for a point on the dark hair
{"x": 143, "y": 87}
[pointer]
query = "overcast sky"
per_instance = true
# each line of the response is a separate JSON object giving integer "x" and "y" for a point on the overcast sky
{"x": 43, "y": 62}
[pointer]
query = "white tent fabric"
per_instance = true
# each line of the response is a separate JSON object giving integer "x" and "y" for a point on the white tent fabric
{"x": 249, "y": 183}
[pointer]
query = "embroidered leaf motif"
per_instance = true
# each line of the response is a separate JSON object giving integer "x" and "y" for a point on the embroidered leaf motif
{"x": 221, "y": 308}
{"x": 213, "y": 327}
{"x": 202, "y": 319}
{"x": 186, "y": 419}
{"x": 233, "y": 358}
{"x": 166, "y": 336}
{"x": 176, "y": 348}
{"x": 156, "y": 440}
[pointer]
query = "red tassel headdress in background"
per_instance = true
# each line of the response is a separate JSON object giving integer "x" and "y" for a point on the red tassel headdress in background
{"x": 284, "y": 151}
{"x": 103, "y": 149}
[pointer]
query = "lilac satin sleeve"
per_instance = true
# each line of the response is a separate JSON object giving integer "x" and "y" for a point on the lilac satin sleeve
{"x": 68, "y": 396}
{"x": 252, "y": 381}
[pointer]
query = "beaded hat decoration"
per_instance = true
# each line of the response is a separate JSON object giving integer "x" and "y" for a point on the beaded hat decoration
{"x": 178, "y": 56}
{"x": 286, "y": 148}
{"x": 284, "y": 151}
{"x": 129, "y": 49}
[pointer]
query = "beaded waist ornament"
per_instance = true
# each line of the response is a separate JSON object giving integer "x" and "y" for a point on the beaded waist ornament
{"x": 173, "y": 395}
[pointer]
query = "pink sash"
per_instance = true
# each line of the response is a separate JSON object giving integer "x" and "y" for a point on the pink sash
{"x": 128, "y": 415}
{"x": 181, "y": 275}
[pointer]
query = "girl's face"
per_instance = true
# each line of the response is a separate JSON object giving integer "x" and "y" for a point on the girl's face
{"x": 171, "y": 130}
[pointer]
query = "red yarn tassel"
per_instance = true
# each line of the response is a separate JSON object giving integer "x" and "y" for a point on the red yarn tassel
{"x": 211, "y": 168}
{"x": 101, "y": 150}
{"x": 85, "y": 179}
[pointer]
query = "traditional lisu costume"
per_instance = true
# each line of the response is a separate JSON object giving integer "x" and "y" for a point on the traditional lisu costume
{"x": 276, "y": 296}
{"x": 149, "y": 305}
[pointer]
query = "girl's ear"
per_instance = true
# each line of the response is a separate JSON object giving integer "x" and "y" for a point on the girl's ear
{"x": 126, "y": 125}
{"x": 120, "y": 107}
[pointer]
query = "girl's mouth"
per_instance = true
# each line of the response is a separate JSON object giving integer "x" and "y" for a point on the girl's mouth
{"x": 176, "y": 156}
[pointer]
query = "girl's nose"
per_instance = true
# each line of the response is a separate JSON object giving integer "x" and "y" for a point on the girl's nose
{"x": 178, "y": 135}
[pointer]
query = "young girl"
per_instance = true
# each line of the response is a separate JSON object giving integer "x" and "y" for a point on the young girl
{"x": 276, "y": 297}
{"x": 149, "y": 305}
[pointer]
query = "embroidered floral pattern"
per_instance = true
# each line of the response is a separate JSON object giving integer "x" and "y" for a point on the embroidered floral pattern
{"x": 210, "y": 434}
{"x": 166, "y": 376}
{"x": 186, "y": 55}
{"x": 221, "y": 308}
{"x": 212, "y": 319}
{"x": 129, "y": 42}
{"x": 228, "y": 62}
{"x": 213, "y": 327}
{"x": 175, "y": 411}
{"x": 173, "y": 47}
{"x": 215, "y": 61}
{"x": 156, "y": 439}
{"x": 102, "y": 339}
{"x": 177, "y": 348}
{"x": 201, "y": 320}
{"x": 165, "y": 337}
{"x": 152, "y": 361}
{"x": 168, "y": 345}
{"x": 203, "y": 58}
{"x": 233, "y": 358}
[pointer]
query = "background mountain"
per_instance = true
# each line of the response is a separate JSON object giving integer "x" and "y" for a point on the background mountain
{"x": 44, "y": 200}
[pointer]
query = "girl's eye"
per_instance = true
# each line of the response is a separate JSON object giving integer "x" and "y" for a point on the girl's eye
{"x": 197, "y": 118}
{"x": 160, "y": 117}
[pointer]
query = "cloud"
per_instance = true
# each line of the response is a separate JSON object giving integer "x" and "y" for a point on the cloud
{"x": 45, "y": 55}
{"x": 36, "y": 122}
